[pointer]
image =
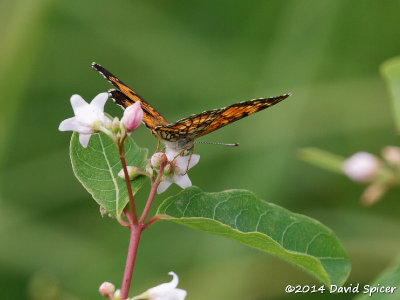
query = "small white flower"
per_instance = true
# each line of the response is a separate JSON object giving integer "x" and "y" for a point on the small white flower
{"x": 164, "y": 291}
{"x": 181, "y": 165}
{"x": 361, "y": 167}
{"x": 88, "y": 117}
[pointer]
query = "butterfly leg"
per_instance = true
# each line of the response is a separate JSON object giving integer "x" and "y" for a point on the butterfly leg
{"x": 158, "y": 146}
{"x": 190, "y": 157}
{"x": 180, "y": 153}
{"x": 191, "y": 148}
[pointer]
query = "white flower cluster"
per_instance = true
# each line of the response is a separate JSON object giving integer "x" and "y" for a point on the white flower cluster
{"x": 176, "y": 168}
{"x": 90, "y": 119}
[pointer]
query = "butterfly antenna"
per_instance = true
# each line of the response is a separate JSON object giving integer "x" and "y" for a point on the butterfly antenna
{"x": 221, "y": 144}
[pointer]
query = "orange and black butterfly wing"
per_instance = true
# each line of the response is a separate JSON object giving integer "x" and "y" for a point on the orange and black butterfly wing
{"x": 208, "y": 121}
{"x": 125, "y": 96}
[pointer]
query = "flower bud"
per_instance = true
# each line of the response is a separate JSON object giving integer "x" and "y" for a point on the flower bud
{"x": 149, "y": 170}
{"x": 169, "y": 170}
{"x": 391, "y": 154}
{"x": 373, "y": 193}
{"x": 133, "y": 116}
{"x": 157, "y": 158}
{"x": 117, "y": 295}
{"x": 106, "y": 288}
{"x": 133, "y": 172}
{"x": 108, "y": 124}
{"x": 115, "y": 125}
{"x": 361, "y": 167}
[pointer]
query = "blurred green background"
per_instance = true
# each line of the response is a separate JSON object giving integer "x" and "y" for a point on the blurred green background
{"x": 185, "y": 57}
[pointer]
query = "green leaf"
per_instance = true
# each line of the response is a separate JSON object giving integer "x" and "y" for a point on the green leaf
{"x": 242, "y": 216}
{"x": 322, "y": 159}
{"x": 389, "y": 278}
{"x": 391, "y": 72}
{"x": 97, "y": 167}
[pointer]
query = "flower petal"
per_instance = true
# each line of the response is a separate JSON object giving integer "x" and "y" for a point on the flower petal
{"x": 182, "y": 181}
{"x": 163, "y": 186}
{"x": 181, "y": 162}
{"x": 78, "y": 103}
{"x": 176, "y": 294}
{"x": 194, "y": 160}
{"x": 165, "y": 289}
{"x": 175, "y": 280}
{"x": 69, "y": 125}
{"x": 84, "y": 139}
{"x": 99, "y": 101}
{"x": 170, "y": 152}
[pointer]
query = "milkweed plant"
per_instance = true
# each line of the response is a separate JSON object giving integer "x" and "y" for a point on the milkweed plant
{"x": 113, "y": 168}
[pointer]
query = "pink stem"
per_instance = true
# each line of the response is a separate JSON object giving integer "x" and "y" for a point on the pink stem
{"x": 154, "y": 186}
{"x": 128, "y": 182}
{"x": 153, "y": 219}
{"x": 123, "y": 223}
{"x": 136, "y": 231}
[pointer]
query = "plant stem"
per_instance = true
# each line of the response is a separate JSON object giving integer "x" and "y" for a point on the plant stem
{"x": 111, "y": 296}
{"x": 136, "y": 227}
{"x": 135, "y": 233}
{"x": 154, "y": 186}
{"x": 153, "y": 219}
{"x": 128, "y": 182}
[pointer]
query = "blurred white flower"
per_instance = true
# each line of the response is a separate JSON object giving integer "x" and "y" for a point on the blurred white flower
{"x": 164, "y": 291}
{"x": 177, "y": 170}
{"x": 132, "y": 117}
{"x": 391, "y": 154}
{"x": 88, "y": 117}
{"x": 361, "y": 167}
{"x": 106, "y": 289}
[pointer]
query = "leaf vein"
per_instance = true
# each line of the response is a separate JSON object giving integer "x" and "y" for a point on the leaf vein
{"x": 94, "y": 179}
{"x": 89, "y": 165}
{"x": 216, "y": 206}
{"x": 286, "y": 229}
{"x": 312, "y": 240}
{"x": 237, "y": 216}
{"x": 259, "y": 219}
{"x": 112, "y": 176}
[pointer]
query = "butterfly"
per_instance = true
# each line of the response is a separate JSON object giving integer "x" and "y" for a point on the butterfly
{"x": 181, "y": 134}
